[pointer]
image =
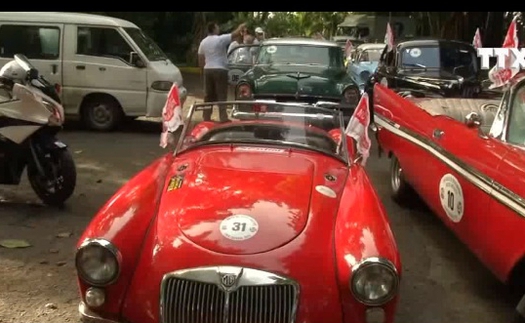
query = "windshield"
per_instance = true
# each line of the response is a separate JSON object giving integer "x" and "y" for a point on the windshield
{"x": 268, "y": 125}
{"x": 516, "y": 130}
{"x": 371, "y": 55}
{"x": 446, "y": 57}
{"x": 301, "y": 54}
{"x": 420, "y": 57}
{"x": 146, "y": 45}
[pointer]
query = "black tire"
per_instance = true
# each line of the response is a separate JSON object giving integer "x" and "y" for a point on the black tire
{"x": 65, "y": 168}
{"x": 102, "y": 113}
{"x": 402, "y": 193}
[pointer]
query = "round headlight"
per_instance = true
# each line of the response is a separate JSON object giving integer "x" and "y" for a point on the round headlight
{"x": 97, "y": 262}
{"x": 374, "y": 281}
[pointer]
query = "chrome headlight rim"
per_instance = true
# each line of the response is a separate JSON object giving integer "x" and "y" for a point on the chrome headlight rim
{"x": 111, "y": 248}
{"x": 375, "y": 261}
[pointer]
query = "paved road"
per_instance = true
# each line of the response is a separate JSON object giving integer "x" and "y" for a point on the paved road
{"x": 442, "y": 281}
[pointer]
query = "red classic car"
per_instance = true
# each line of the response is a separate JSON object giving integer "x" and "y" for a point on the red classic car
{"x": 466, "y": 159}
{"x": 271, "y": 219}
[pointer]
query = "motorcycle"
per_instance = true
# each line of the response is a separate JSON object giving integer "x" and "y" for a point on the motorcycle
{"x": 31, "y": 115}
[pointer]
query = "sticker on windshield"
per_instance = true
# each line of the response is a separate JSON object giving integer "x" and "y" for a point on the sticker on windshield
{"x": 415, "y": 52}
{"x": 451, "y": 196}
{"x": 239, "y": 227}
{"x": 261, "y": 149}
{"x": 271, "y": 49}
{"x": 326, "y": 191}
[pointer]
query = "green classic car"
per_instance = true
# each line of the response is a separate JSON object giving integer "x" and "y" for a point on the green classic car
{"x": 293, "y": 70}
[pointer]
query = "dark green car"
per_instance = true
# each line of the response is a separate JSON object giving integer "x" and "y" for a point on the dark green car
{"x": 293, "y": 70}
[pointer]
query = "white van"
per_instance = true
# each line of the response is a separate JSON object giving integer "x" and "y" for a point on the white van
{"x": 107, "y": 68}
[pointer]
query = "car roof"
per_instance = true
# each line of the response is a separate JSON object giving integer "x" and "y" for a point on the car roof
{"x": 65, "y": 18}
{"x": 430, "y": 42}
{"x": 371, "y": 46}
{"x": 300, "y": 41}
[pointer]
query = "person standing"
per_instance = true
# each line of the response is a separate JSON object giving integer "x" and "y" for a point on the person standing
{"x": 259, "y": 35}
{"x": 213, "y": 61}
{"x": 235, "y": 43}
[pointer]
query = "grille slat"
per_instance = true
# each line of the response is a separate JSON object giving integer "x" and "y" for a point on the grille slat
{"x": 188, "y": 301}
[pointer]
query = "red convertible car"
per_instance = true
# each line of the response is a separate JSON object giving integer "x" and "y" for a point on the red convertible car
{"x": 466, "y": 159}
{"x": 267, "y": 220}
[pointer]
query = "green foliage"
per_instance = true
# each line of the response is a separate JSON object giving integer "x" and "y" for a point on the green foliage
{"x": 179, "y": 33}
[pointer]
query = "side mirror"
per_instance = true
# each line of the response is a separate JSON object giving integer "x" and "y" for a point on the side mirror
{"x": 474, "y": 121}
{"x": 135, "y": 60}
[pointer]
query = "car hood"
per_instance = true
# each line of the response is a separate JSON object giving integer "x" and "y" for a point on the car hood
{"x": 367, "y": 66}
{"x": 305, "y": 79}
{"x": 165, "y": 70}
{"x": 276, "y": 194}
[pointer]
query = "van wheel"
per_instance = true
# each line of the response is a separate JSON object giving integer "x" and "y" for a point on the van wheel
{"x": 402, "y": 192}
{"x": 102, "y": 114}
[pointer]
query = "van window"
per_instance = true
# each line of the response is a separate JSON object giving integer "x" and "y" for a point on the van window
{"x": 105, "y": 42}
{"x": 35, "y": 42}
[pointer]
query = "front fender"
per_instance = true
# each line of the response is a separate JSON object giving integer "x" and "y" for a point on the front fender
{"x": 124, "y": 221}
{"x": 362, "y": 231}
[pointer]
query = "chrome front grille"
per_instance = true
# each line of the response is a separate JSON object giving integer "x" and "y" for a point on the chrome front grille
{"x": 200, "y": 296}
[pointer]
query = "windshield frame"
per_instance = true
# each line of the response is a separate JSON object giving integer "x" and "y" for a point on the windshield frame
{"x": 343, "y": 156}
{"x": 263, "y": 46}
{"x": 143, "y": 41}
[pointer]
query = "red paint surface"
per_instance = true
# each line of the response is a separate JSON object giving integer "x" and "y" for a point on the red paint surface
{"x": 304, "y": 235}
{"x": 490, "y": 229}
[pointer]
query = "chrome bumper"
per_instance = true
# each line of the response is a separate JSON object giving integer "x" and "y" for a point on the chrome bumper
{"x": 87, "y": 316}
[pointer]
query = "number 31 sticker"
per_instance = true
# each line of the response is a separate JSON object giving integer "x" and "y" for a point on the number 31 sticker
{"x": 451, "y": 196}
{"x": 239, "y": 227}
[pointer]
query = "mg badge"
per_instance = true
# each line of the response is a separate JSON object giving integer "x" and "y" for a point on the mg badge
{"x": 228, "y": 280}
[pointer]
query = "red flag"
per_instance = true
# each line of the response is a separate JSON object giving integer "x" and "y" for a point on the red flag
{"x": 476, "y": 42}
{"x": 357, "y": 127}
{"x": 348, "y": 47}
{"x": 171, "y": 115}
{"x": 501, "y": 76}
{"x": 389, "y": 37}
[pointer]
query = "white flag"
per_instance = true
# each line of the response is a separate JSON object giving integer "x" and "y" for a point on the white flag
{"x": 357, "y": 127}
{"x": 171, "y": 115}
{"x": 389, "y": 37}
{"x": 501, "y": 76}
{"x": 476, "y": 42}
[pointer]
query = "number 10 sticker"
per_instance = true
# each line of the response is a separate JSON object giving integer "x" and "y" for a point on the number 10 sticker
{"x": 451, "y": 196}
{"x": 239, "y": 227}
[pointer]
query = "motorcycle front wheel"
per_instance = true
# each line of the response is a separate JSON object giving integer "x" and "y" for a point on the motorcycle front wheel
{"x": 60, "y": 180}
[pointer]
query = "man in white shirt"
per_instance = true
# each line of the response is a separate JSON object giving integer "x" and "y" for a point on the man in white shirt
{"x": 214, "y": 62}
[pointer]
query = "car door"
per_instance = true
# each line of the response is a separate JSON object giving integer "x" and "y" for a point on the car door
{"x": 39, "y": 42}
{"x": 98, "y": 61}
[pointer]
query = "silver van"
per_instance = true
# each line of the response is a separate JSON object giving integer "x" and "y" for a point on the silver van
{"x": 107, "y": 68}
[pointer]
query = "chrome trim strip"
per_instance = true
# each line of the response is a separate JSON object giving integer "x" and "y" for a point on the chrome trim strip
{"x": 88, "y": 316}
{"x": 375, "y": 261}
{"x": 499, "y": 192}
{"x": 245, "y": 277}
{"x": 111, "y": 248}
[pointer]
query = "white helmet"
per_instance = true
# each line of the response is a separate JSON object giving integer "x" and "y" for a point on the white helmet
{"x": 13, "y": 71}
